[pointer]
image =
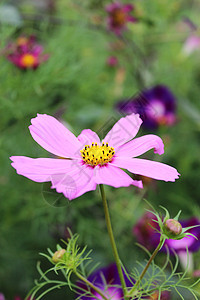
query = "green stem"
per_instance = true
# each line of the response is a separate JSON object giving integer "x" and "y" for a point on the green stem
{"x": 91, "y": 285}
{"x": 146, "y": 267}
{"x": 112, "y": 239}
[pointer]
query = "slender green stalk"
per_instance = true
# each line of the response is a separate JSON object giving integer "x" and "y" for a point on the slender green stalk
{"x": 91, "y": 285}
{"x": 146, "y": 267}
{"x": 112, "y": 239}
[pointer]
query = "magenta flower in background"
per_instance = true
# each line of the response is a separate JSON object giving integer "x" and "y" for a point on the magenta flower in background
{"x": 145, "y": 231}
{"x": 156, "y": 106}
{"x": 25, "y": 53}
{"x": 191, "y": 44}
{"x": 2, "y": 296}
{"x": 118, "y": 16}
{"x": 85, "y": 161}
{"x": 108, "y": 281}
{"x": 112, "y": 61}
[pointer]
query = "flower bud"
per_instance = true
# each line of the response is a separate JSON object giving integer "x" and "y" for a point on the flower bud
{"x": 58, "y": 255}
{"x": 172, "y": 228}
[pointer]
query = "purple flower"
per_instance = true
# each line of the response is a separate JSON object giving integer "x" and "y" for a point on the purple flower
{"x": 119, "y": 16}
{"x": 25, "y": 53}
{"x": 107, "y": 280}
{"x": 190, "y": 242}
{"x": 145, "y": 233}
{"x": 156, "y": 106}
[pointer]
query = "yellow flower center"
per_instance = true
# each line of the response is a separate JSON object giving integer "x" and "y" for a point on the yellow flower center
{"x": 21, "y": 41}
{"x": 119, "y": 17}
{"x": 97, "y": 155}
{"x": 28, "y": 60}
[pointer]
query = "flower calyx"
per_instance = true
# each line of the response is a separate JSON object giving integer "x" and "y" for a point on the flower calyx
{"x": 69, "y": 258}
{"x": 171, "y": 228}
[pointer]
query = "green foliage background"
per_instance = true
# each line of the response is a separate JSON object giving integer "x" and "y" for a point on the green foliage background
{"x": 76, "y": 85}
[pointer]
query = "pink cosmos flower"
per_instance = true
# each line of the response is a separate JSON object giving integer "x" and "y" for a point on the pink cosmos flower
{"x": 85, "y": 161}
{"x": 112, "y": 61}
{"x": 26, "y": 53}
{"x": 119, "y": 16}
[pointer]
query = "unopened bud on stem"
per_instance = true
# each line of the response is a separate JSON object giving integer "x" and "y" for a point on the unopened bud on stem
{"x": 58, "y": 255}
{"x": 173, "y": 227}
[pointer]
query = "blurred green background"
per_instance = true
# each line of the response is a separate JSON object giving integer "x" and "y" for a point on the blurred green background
{"x": 78, "y": 87}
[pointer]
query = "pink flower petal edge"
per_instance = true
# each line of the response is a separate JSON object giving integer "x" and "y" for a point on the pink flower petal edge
{"x": 141, "y": 145}
{"x": 87, "y": 137}
{"x": 123, "y": 131}
{"x": 54, "y": 137}
{"x": 40, "y": 169}
{"x": 147, "y": 168}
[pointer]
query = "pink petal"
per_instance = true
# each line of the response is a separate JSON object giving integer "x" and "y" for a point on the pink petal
{"x": 128, "y": 8}
{"x": 113, "y": 6}
{"x": 141, "y": 145}
{"x": 131, "y": 19}
{"x": 87, "y": 137}
{"x": 113, "y": 176}
{"x": 40, "y": 169}
{"x": 54, "y": 137}
{"x": 77, "y": 181}
{"x": 69, "y": 177}
{"x": 147, "y": 168}
{"x": 123, "y": 131}
{"x": 192, "y": 43}
{"x": 37, "y": 49}
{"x": 2, "y": 296}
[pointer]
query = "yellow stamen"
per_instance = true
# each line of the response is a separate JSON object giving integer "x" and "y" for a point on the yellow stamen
{"x": 28, "y": 60}
{"x": 22, "y": 40}
{"x": 97, "y": 155}
{"x": 119, "y": 17}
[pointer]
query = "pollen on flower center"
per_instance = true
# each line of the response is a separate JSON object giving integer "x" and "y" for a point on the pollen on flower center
{"x": 28, "y": 60}
{"x": 119, "y": 17}
{"x": 97, "y": 155}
